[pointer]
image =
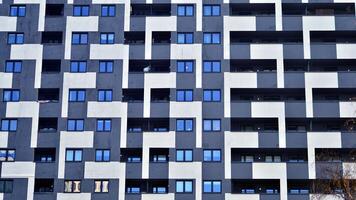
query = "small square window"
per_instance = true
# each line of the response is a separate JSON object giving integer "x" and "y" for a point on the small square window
{"x": 108, "y": 11}
{"x": 106, "y": 66}
{"x": 211, "y": 66}
{"x": 18, "y": 10}
{"x": 185, "y": 66}
{"x": 80, "y": 10}
{"x": 185, "y": 10}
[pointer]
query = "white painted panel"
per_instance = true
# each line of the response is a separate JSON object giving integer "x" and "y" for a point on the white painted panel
{"x": 317, "y": 80}
{"x": 156, "y": 80}
{"x": 5, "y": 80}
{"x": 320, "y": 140}
{"x": 229, "y": 196}
{"x": 29, "y": 52}
{"x": 347, "y": 109}
{"x": 236, "y": 23}
{"x": 312, "y": 23}
{"x": 4, "y": 138}
{"x": 272, "y": 171}
{"x": 104, "y": 170}
{"x": 109, "y": 52}
{"x": 270, "y": 51}
{"x": 345, "y": 51}
{"x": 236, "y": 80}
{"x": 8, "y": 24}
{"x": 237, "y": 140}
{"x": 25, "y": 109}
{"x": 169, "y": 196}
{"x": 17, "y": 169}
{"x": 73, "y": 196}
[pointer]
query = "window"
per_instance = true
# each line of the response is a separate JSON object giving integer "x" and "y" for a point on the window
{"x": 185, "y": 38}
{"x": 75, "y": 125}
{"x": 210, "y": 125}
{"x": 211, "y": 38}
{"x": 212, "y": 66}
{"x": 211, "y": 10}
{"x": 107, "y": 38}
{"x": 52, "y": 37}
{"x": 106, "y": 66}
{"x": 15, "y": 38}
{"x": 184, "y": 125}
{"x": 81, "y": 10}
{"x": 184, "y": 186}
{"x": 108, "y": 11}
{"x": 133, "y": 190}
{"x": 74, "y": 155}
{"x": 76, "y": 95}
{"x": 79, "y": 38}
{"x": 184, "y": 155}
{"x": 245, "y": 158}
{"x": 43, "y": 185}
{"x": 212, "y": 155}
{"x": 78, "y": 66}
{"x": 51, "y": 66}
{"x": 5, "y": 186}
{"x": 104, "y": 95}
{"x": 101, "y": 186}
{"x": 185, "y": 10}
{"x": 9, "y": 125}
{"x": 13, "y": 66}
{"x": 18, "y": 11}
{"x": 71, "y": 186}
{"x": 45, "y": 155}
{"x": 11, "y": 95}
{"x": 7, "y": 155}
{"x": 185, "y": 66}
{"x": 102, "y": 155}
{"x": 212, "y": 95}
{"x": 184, "y": 95}
{"x": 103, "y": 125}
{"x": 212, "y": 186}
{"x": 54, "y": 10}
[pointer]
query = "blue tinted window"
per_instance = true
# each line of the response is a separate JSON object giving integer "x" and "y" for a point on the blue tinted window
{"x": 184, "y": 125}
{"x": 15, "y": 38}
{"x": 108, "y": 11}
{"x": 212, "y": 186}
{"x": 11, "y": 95}
{"x": 78, "y": 66}
{"x": 185, "y": 38}
{"x": 184, "y": 155}
{"x": 184, "y": 186}
{"x": 185, "y": 10}
{"x": 8, "y": 125}
{"x": 107, "y": 38}
{"x": 18, "y": 10}
{"x": 80, "y": 38}
{"x": 184, "y": 95}
{"x": 103, "y": 125}
{"x": 185, "y": 66}
{"x": 211, "y": 66}
{"x": 80, "y": 10}
{"x": 73, "y": 155}
{"x": 212, "y": 95}
{"x": 211, "y": 10}
{"x": 212, "y": 155}
{"x": 75, "y": 125}
{"x": 102, "y": 155}
{"x": 13, "y": 66}
{"x": 106, "y": 66}
{"x": 211, "y": 125}
{"x": 105, "y": 95}
{"x": 76, "y": 95}
{"x": 211, "y": 38}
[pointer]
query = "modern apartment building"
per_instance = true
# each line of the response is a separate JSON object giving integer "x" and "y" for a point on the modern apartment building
{"x": 175, "y": 100}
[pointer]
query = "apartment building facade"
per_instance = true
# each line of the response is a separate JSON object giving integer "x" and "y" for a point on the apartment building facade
{"x": 175, "y": 100}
